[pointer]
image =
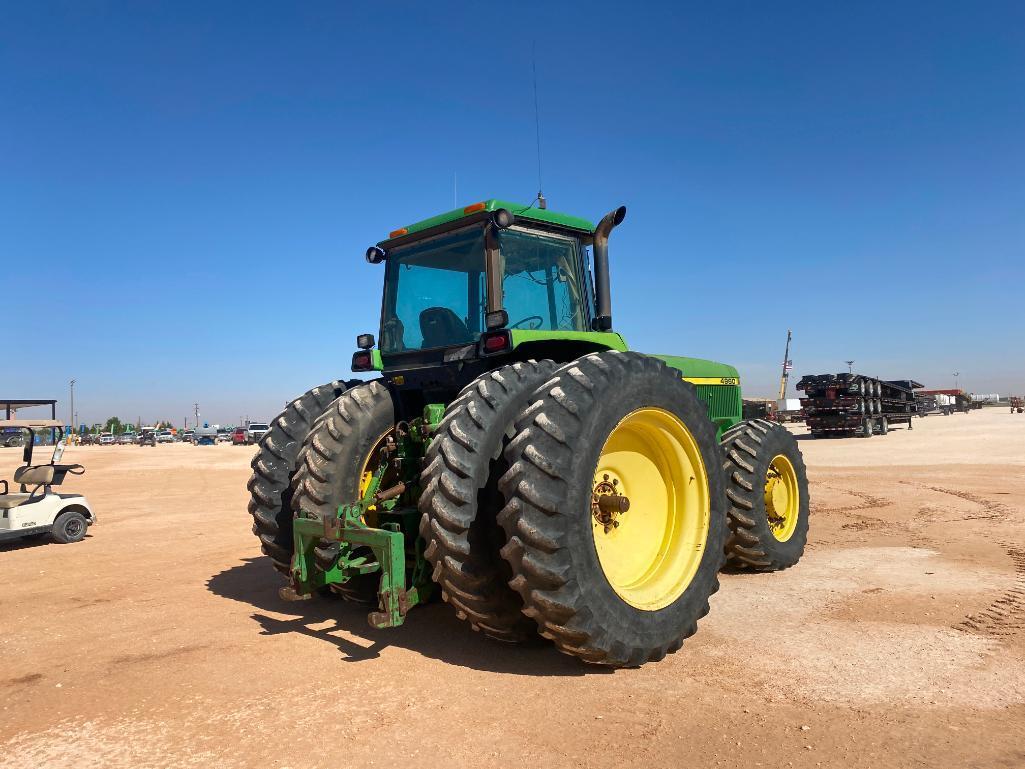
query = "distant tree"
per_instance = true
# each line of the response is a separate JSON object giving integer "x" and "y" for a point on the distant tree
{"x": 114, "y": 425}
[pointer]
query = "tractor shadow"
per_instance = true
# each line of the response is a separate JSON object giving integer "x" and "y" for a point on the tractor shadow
{"x": 432, "y": 630}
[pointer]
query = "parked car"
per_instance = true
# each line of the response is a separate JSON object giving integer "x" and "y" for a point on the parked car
{"x": 107, "y": 439}
{"x": 238, "y": 437}
{"x": 164, "y": 436}
{"x": 256, "y": 431}
{"x": 12, "y": 436}
{"x": 223, "y": 436}
{"x": 148, "y": 438}
{"x": 127, "y": 439}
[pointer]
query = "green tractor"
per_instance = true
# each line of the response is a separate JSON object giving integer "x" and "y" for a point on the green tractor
{"x": 514, "y": 456}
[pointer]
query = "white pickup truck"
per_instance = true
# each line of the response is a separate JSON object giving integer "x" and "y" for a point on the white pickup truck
{"x": 256, "y": 431}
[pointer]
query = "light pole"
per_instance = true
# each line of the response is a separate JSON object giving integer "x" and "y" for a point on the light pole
{"x": 956, "y": 375}
{"x": 71, "y": 416}
{"x": 850, "y": 367}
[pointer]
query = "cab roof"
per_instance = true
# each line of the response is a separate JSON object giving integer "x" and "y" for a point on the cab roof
{"x": 518, "y": 209}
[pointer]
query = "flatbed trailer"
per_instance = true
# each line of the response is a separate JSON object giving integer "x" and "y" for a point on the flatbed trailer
{"x": 848, "y": 404}
{"x": 950, "y": 400}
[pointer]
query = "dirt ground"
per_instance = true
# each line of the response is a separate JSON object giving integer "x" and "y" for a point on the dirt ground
{"x": 160, "y": 641}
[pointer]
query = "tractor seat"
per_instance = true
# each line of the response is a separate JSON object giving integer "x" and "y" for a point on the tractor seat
{"x": 441, "y": 327}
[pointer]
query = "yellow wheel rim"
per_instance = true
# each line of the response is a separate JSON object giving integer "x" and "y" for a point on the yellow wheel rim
{"x": 651, "y": 551}
{"x": 366, "y": 476}
{"x": 782, "y": 499}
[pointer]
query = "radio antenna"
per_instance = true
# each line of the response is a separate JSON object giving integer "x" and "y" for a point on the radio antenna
{"x": 541, "y": 202}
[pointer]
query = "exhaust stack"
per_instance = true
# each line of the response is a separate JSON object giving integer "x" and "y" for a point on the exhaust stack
{"x": 602, "y": 293}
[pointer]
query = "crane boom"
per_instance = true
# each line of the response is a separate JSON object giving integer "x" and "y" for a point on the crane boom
{"x": 787, "y": 365}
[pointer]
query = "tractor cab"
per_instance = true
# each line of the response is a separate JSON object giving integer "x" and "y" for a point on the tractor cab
{"x": 491, "y": 279}
{"x": 37, "y": 510}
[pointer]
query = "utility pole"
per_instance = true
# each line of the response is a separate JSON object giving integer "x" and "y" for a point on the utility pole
{"x": 850, "y": 367}
{"x": 72, "y": 415}
{"x": 195, "y": 409}
{"x": 787, "y": 365}
{"x": 956, "y": 375}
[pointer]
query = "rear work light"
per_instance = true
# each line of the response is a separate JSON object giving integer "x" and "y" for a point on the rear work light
{"x": 362, "y": 361}
{"x": 495, "y": 342}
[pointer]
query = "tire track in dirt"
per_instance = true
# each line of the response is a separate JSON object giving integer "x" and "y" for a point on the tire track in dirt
{"x": 859, "y": 522}
{"x": 990, "y": 510}
{"x": 1006, "y": 615}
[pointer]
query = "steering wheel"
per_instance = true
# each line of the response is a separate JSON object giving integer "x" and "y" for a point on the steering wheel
{"x": 537, "y": 318}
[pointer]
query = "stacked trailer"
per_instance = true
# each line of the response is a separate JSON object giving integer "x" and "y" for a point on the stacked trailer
{"x": 854, "y": 404}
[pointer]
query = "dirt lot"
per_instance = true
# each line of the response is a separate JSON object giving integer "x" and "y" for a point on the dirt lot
{"x": 160, "y": 641}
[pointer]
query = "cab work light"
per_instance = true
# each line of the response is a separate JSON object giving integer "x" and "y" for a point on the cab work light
{"x": 399, "y": 231}
{"x": 474, "y": 208}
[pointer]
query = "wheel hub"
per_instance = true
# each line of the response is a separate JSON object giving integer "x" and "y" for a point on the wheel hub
{"x": 781, "y": 498}
{"x": 607, "y": 504}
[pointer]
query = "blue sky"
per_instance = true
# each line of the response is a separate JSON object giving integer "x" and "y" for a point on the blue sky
{"x": 187, "y": 189}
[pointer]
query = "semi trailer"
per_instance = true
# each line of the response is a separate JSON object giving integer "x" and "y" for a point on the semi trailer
{"x": 848, "y": 404}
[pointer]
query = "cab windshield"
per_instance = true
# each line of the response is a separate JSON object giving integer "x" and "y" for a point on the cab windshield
{"x": 435, "y": 289}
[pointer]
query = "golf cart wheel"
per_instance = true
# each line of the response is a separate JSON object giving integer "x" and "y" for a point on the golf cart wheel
{"x": 69, "y": 527}
{"x": 274, "y": 465}
{"x": 767, "y": 485}
{"x": 616, "y": 509}
{"x": 334, "y": 465}
{"x": 460, "y": 500}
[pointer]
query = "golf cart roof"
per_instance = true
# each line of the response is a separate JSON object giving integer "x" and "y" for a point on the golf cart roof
{"x": 31, "y": 424}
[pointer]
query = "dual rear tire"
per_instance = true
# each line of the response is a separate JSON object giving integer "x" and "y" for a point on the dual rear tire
{"x": 611, "y": 582}
{"x": 516, "y": 531}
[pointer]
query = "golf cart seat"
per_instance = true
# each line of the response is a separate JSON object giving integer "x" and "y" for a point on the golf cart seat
{"x": 40, "y": 478}
{"x": 40, "y": 475}
{"x": 7, "y": 501}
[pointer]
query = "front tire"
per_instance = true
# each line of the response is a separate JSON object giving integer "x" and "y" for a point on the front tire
{"x": 69, "y": 527}
{"x": 622, "y": 587}
{"x": 767, "y": 485}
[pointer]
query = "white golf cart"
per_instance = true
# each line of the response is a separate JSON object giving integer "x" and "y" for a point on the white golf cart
{"x": 38, "y": 510}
